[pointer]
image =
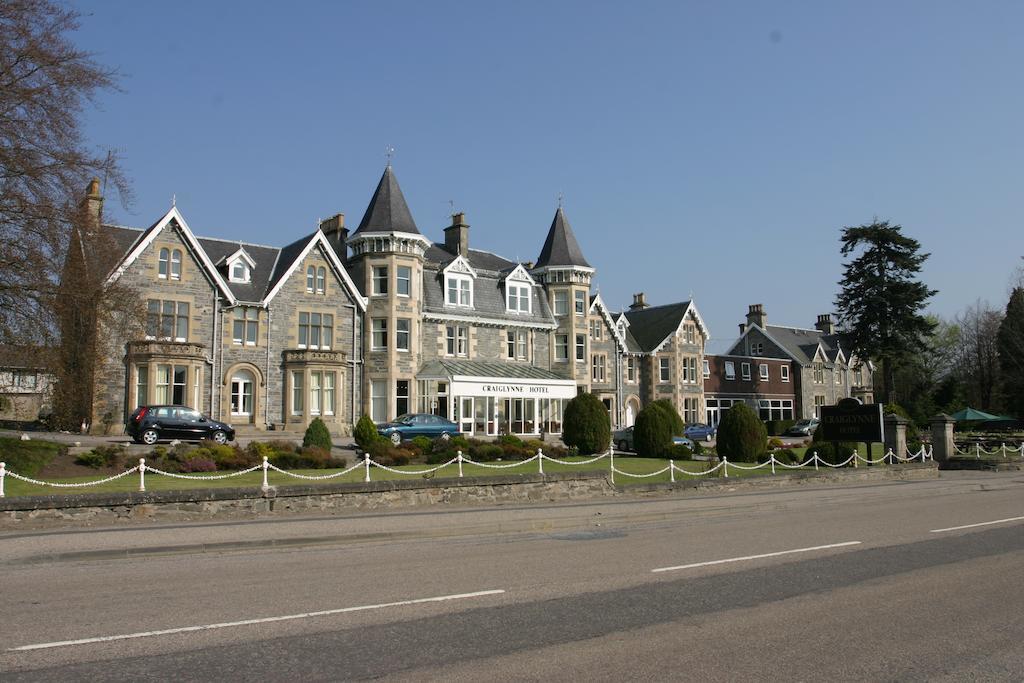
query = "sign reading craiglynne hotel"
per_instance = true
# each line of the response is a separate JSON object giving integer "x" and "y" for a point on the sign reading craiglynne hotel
{"x": 850, "y": 420}
{"x": 512, "y": 388}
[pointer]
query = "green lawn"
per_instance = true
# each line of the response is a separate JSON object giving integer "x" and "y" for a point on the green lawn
{"x": 27, "y": 457}
{"x": 155, "y": 482}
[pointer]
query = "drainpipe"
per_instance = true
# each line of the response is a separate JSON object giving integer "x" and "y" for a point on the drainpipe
{"x": 266, "y": 377}
{"x": 213, "y": 353}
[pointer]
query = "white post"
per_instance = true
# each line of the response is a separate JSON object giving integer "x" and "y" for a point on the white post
{"x": 611, "y": 463}
{"x": 1002, "y": 447}
{"x": 3, "y": 473}
{"x": 771, "y": 457}
{"x": 459, "y": 458}
{"x": 892, "y": 457}
{"x": 725, "y": 466}
{"x": 815, "y": 457}
{"x": 266, "y": 484}
{"x": 540, "y": 461}
{"x": 366, "y": 463}
{"x": 977, "y": 449}
{"x": 142, "y": 474}
{"x": 672, "y": 471}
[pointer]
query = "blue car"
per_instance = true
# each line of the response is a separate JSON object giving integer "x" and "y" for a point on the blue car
{"x": 700, "y": 432}
{"x": 411, "y": 425}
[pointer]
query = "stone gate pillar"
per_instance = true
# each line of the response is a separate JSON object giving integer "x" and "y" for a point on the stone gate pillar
{"x": 896, "y": 435}
{"x": 942, "y": 437}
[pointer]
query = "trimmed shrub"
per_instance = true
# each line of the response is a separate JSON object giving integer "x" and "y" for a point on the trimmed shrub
{"x": 652, "y": 432}
{"x": 829, "y": 454}
{"x": 488, "y": 452}
{"x": 197, "y": 465}
{"x": 510, "y": 440}
{"x": 103, "y": 456}
{"x": 681, "y": 451}
{"x": 365, "y": 433}
{"x": 90, "y": 459}
{"x": 586, "y": 425}
{"x": 741, "y": 434}
{"x": 317, "y": 435}
{"x": 676, "y": 422}
{"x": 784, "y": 455}
{"x": 775, "y": 444}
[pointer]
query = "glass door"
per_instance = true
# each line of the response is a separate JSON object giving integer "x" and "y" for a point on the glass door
{"x": 466, "y": 415}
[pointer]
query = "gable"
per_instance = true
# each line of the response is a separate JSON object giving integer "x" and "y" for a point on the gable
{"x": 318, "y": 249}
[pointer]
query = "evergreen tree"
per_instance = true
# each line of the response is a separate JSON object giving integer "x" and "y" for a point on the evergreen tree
{"x": 586, "y": 425}
{"x": 1010, "y": 343}
{"x": 880, "y": 301}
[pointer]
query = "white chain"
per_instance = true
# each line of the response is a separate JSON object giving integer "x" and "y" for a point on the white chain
{"x": 71, "y": 486}
{"x": 314, "y": 477}
{"x": 492, "y": 466}
{"x": 410, "y": 472}
{"x": 755, "y": 467}
{"x": 697, "y": 474}
{"x": 210, "y": 477}
{"x": 641, "y": 476}
{"x": 581, "y": 462}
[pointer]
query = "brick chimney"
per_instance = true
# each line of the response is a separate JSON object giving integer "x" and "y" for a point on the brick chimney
{"x": 825, "y": 324}
{"x": 93, "y": 204}
{"x": 757, "y": 316}
{"x": 336, "y": 233}
{"x": 639, "y": 302}
{"x": 456, "y": 235}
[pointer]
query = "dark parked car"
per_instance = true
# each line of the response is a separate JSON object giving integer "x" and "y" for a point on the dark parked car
{"x": 803, "y": 428}
{"x": 623, "y": 439}
{"x": 700, "y": 432}
{"x": 411, "y": 425}
{"x": 150, "y": 424}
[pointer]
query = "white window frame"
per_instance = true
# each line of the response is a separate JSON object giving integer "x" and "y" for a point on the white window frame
{"x": 174, "y": 273}
{"x": 745, "y": 370}
{"x": 762, "y": 371}
{"x": 321, "y": 280}
{"x": 784, "y": 373}
{"x": 730, "y": 369}
{"x": 664, "y": 370}
{"x": 399, "y": 332}
{"x": 581, "y": 302}
{"x": 324, "y": 330}
{"x": 562, "y": 348}
{"x": 244, "y": 276}
{"x": 581, "y": 348}
{"x": 707, "y": 368}
{"x": 246, "y": 325}
{"x": 457, "y": 341}
{"x": 458, "y": 290}
{"x": 310, "y": 279}
{"x": 515, "y": 296}
{"x": 403, "y": 274}
{"x": 378, "y": 334}
{"x": 164, "y": 266}
{"x": 560, "y": 303}
{"x": 378, "y": 281}
{"x": 631, "y": 368}
{"x": 516, "y": 344}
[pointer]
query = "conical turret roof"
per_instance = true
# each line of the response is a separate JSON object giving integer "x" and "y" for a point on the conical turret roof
{"x": 387, "y": 211}
{"x": 560, "y": 247}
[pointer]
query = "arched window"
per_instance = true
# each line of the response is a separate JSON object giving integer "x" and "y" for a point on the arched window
{"x": 321, "y": 280}
{"x": 310, "y": 279}
{"x": 242, "y": 383}
{"x": 176, "y": 264}
{"x": 164, "y": 259}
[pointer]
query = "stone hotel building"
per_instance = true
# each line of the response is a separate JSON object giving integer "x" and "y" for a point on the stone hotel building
{"x": 380, "y": 321}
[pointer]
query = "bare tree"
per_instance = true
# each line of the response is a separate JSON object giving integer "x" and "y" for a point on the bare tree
{"x": 45, "y": 84}
{"x": 977, "y": 358}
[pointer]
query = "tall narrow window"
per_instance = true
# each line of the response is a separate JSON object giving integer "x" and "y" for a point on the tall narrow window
{"x": 321, "y": 280}
{"x": 707, "y": 368}
{"x": 328, "y": 402}
{"x": 180, "y": 382}
{"x": 745, "y": 370}
{"x": 378, "y": 400}
{"x": 730, "y": 369}
{"x": 310, "y": 279}
{"x": 665, "y": 369}
{"x": 403, "y": 281}
{"x": 379, "y": 340}
{"x": 631, "y": 369}
{"x": 314, "y": 392}
{"x": 581, "y": 302}
{"x": 380, "y": 280}
{"x": 176, "y": 264}
{"x": 402, "y": 329}
{"x": 165, "y": 259}
{"x": 246, "y": 325}
{"x": 163, "y": 384}
{"x": 784, "y": 373}
{"x": 561, "y": 347}
{"x": 402, "y": 397}
{"x": 561, "y": 303}
{"x": 762, "y": 371}
{"x": 581, "y": 348}
{"x": 141, "y": 385}
{"x": 297, "y": 393}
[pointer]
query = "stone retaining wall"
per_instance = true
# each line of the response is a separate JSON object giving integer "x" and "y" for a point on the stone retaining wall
{"x": 99, "y": 509}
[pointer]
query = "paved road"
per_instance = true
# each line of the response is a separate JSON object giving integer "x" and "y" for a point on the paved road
{"x": 884, "y": 587}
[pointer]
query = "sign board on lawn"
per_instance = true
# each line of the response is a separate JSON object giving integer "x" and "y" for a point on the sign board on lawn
{"x": 850, "y": 420}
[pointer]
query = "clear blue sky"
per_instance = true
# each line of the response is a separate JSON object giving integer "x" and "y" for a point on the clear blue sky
{"x": 712, "y": 148}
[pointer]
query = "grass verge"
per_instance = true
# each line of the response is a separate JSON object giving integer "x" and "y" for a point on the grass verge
{"x": 28, "y": 457}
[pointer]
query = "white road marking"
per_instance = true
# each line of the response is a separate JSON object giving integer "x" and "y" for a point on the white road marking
{"x": 247, "y": 622}
{"x": 971, "y": 526}
{"x": 756, "y": 557}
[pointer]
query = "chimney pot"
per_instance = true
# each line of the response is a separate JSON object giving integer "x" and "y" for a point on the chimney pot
{"x": 639, "y": 302}
{"x": 336, "y": 233}
{"x": 456, "y": 235}
{"x": 757, "y": 316}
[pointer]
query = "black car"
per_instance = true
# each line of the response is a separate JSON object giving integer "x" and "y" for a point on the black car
{"x": 150, "y": 424}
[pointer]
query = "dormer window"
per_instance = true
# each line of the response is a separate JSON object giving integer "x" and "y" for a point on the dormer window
{"x": 240, "y": 271}
{"x": 518, "y": 298}
{"x": 459, "y": 290}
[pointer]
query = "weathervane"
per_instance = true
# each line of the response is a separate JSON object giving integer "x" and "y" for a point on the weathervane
{"x": 389, "y": 152}
{"x": 174, "y": 200}
{"x": 561, "y": 196}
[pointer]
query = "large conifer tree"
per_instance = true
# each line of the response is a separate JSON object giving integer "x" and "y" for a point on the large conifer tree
{"x": 881, "y": 301}
{"x": 1010, "y": 343}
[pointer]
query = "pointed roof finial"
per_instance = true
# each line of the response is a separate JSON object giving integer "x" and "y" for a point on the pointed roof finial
{"x": 561, "y": 196}
{"x": 174, "y": 200}
{"x": 389, "y": 152}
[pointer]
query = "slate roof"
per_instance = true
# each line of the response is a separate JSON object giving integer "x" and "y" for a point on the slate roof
{"x": 561, "y": 248}
{"x": 270, "y": 262}
{"x": 480, "y": 260}
{"x": 650, "y": 326}
{"x": 387, "y": 211}
{"x": 802, "y": 344}
{"x": 476, "y": 368}
{"x": 488, "y": 296}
